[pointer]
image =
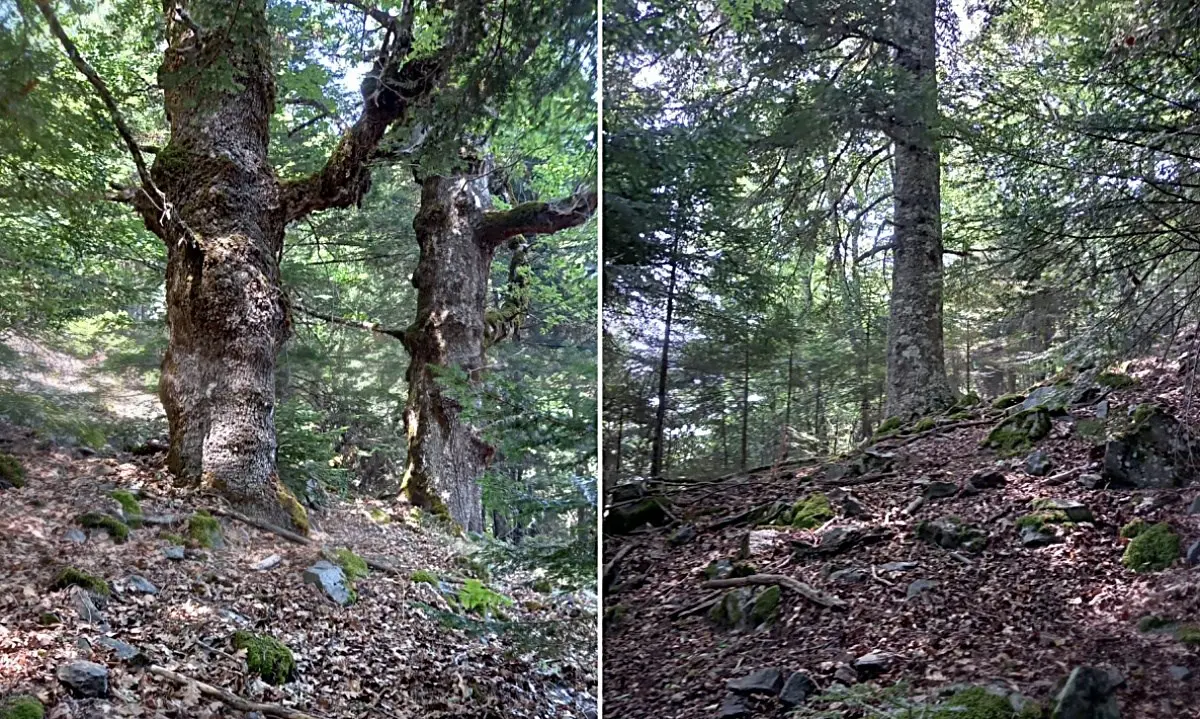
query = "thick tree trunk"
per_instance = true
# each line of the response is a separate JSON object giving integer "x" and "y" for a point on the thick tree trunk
{"x": 916, "y": 373}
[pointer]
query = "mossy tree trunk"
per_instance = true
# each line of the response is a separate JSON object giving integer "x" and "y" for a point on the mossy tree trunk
{"x": 458, "y": 235}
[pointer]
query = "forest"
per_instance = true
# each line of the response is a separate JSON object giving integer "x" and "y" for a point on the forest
{"x": 298, "y": 386}
{"x": 899, "y": 346}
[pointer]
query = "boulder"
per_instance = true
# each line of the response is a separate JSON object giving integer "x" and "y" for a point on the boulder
{"x": 174, "y": 553}
{"x": 1034, "y": 537}
{"x": 1038, "y": 463}
{"x": 987, "y": 479}
{"x": 1053, "y": 398}
{"x": 796, "y": 689}
{"x": 1088, "y": 694}
{"x": 952, "y": 533}
{"x": 626, "y": 516}
{"x": 84, "y": 679}
{"x": 331, "y": 579}
{"x": 1151, "y": 454}
{"x": 762, "y": 681}
{"x": 138, "y": 583}
{"x": 1018, "y": 432}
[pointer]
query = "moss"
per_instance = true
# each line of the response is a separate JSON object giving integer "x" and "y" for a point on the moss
{"x": 1005, "y": 401}
{"x": 970, "y": 399}
{"x": 72, "y": 577}
{"x": 129, "y": 505}
{"x": 118, "y": 530}
{"x": 812, "y": 511}
{"x": 472, "y": 567}
{"x": 543, "y": 585}
{"x": 424, "y": 576}
{"x": 295, "y": 510}
{"x": 728, "y": 611}
{"x": 11, "y": 470}
{"x": 975, "y": 703}
{"x": 267, "y": 656}
{"x": 1153, "y": 622}
{"x": 1017, "y": 433}
{"x": 49, "y": 619}
{"x": 958, "y": 416}
{"x": 205, "y": 530}
{"x": 766, "y": 604}
{"x": 379, "y": 516}
{"x": 888, "y": 425}
{"x": 22, "y": 706}
{"x": 1145, "y": 411}
{"x": 1115, "y": 380}
{"x": 173, "y": 538}
{"x": 1133, "y": 529}
{"x": 1095, "y": 430}
{"x": 354, "y": 566}
{"x": 1189, "y": 634}
{"x": 924, "y": 425}
{"x": 1153, "y": 549}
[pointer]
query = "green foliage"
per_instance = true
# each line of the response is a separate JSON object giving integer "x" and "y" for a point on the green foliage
{"x": 11, "y": 470}
{"x": 476, "y": 597}
{"x": 1133, "y": 528}
{"x": 1188, "y": 634}
{"x": 1153, "y": 622}
{"x": 204, "y": 530}
{"x": 1115, "y": 380}
{"x": 173, "y": 539}
{"x": 116, "y": 529}
{"x": 21, "y": 706}
{"x": 266, "y": 656}
{"x": 354, "y": 566}
{"x": 72, "y": 577}
{"x": 1152, "y": 549}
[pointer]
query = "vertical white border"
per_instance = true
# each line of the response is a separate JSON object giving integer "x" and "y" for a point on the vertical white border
{"x": 599, "y": 358}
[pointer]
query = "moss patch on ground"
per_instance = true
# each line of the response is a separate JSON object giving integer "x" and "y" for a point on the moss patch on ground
{"x": 424, "y": 576}
{"x": 1134, "y": 528}
{"x": 1016, "y": 434}
{"x": 924, "y": 425}
{"x": 22, "y": 706}
{"x": 73, "y": 577}
{"x": 1005, "y": 401}
{"x": 268, "y": 657}
{"x": 811, "y": 512}
{"x": 766, "y": 605}
{"x": 976, "y": 703}
{"x": 205, "y": 530}
{"x": 891, "y": 424}
{"x": 118, "y": 530}
{"x": 1153, "y": 549}
{"x": 129, "y": 505}
{"x": 11, "y": 470}
{"x": 1115, "y": 380}
{"x": 354, "y": 566}
{"x": 1189, "y": 634}
{"x": 295, "y": 510}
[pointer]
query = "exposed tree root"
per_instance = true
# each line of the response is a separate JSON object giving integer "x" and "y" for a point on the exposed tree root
{"x": 807, "y": 591}
{"x": 229, "y": 698}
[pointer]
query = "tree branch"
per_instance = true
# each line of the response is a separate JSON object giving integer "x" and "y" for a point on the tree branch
{"x": 356, "y": 324}
{"x": 537, "y": 218}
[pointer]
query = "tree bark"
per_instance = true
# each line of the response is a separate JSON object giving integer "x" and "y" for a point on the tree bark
{"x": 660, "y": 413}
{"x": 916, "y": 373}
{"x": 458, "y": 236}
{"x": 745, "y": 410}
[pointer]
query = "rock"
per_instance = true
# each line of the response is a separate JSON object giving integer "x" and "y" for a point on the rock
{"x": 952, "y": 533}
{"x": 919, "y": 586}
{"x": 719, "y": 569}
{"x": 1195, "y": 508}
{"x": 85, "y": 606}
{"x": 939, "y": 490}
{"x": 1074, "y": 511}
{"x": 765, "y": 606}
{"x": 845, "y": 675}
{"x": 1179, "y": 673}
{"x": 1102, "y": 409}
{"x": 796, "y": 689}
{"x": 138, "y": 583}
{"x": 627, "y": 516}
{"x": 730, "y": 610}
{"x": 873, "y": 664}
{"x": 268, "y": 563}
{"x": 1052, "y": 398}
{"x": 1152, "y": 454}
{"x": 682, "y": 536}
{"x": 763, "y": 681}
{"x": 1088, "y": 694}
{"x": 1091, "y": 480}
{"x": 84, "y": 679}
{"x": 1193, "y": 554}
{"x": 897, "y": 566}
{"x": 330, "y": 578}
{"x": 1038, "y": 463}
{"x": 848, "y": 504}
{"x": 838, "y": 539}
{"x": 987, "y": 479}
{"x": 733, "y": 707}
{"x": 758, "y": 542}
{"x": 174, "y": 553}
{"x": 850, "y": 574}
{"x": 78, "y": 536}
{"x": 125, "y": 652}
{"x": 1033, "y": 537}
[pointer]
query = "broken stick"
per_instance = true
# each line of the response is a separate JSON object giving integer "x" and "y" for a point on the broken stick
{"x": 229, "y": 698}
{"x": 807, "y": 591}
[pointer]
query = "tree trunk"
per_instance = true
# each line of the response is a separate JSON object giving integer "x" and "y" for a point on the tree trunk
{"x": 660, "y": 414}
{"x": 745, "y": 410}
{"x": 916, "y": 372}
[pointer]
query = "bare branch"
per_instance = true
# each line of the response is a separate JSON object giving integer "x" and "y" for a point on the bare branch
{"x": 356, "y": 324}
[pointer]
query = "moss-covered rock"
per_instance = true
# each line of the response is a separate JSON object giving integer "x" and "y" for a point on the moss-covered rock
{"x": 924, "y": 424}
{"x": 1005, "y": 401}
{"x": 11, "y": 470}
{"x": 1189, "y": 634}
{"x": 424, "y": 576}
{"x": 731, "y": 609}
{"x": 205, "y": 530}
{"x": 354, "y": 566}
{"x": 812, "y": 511}
{"x": 73, "y": 577}
{"x": 978, "y": 703}
{"x": 1153, "y": 622}
{"x": 891, "y": 424}
{"x": 295, "y": 510}
{"x": 173, "y": 539}
{"x": 1115, "y": 380}
{"x": 22, "y": 706}
{"x": 959, "y": 416}
{"x": 268, "y": 657}
{"x": 1093, "y": 430}
{"x": 118, "y": 530}
{"x": 1017, "y": 433}
{"x": 1152, "y": 549}
{"x": 49, "y": 619}
{"x": 129, "y": 506}
{"x": 1038, "y": 520}
{"x": 765, "y": 606}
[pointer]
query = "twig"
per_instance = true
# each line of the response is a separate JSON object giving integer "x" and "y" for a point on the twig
{"x": 703, "y": 604}
{"x": 807, "y": 591}
{"x": 229, "y": 698}
{"x": 266, "y": 526}
{"x": 881, "y": 580}
{"x": 612, "y": 568}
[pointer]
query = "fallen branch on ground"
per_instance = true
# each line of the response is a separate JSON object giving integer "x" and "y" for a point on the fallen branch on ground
{"x": 614, "y": 567}
{"x": 936, "y": 430}
{"x": 231, "y": 699}
{"x": 807, "y": 591}
{"x": 265, "y": 526}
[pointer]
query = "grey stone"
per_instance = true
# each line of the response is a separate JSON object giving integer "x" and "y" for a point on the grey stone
{"x": 1179, "y": 673}
{"x": 138, "y": 583}
{"x": 1075, "y": 511}
{"x": 268, "y": 563}
{"x": 1091, "y": 480}
{"x": 1033, "y": 537}
{"x": 1088, "y": 694}
{"x": 330, "y": 578}
{"x": 1195, "y": 508}
{"x": 987, "y": 479}
{"x": 1052, "y": 398}
{"x": 683, "y": 535}
{"x": 174, "y": 553}
{"x": 1102, "y": 409}
{"x": 1038, "y": 463}
{"x": 719, "y": 569}
{"x": 796, "y": 689}
{"x": 897, "y": 566}
{"x": 939, "y": 490}
{"x": 123, "y": 651}
{"x": 1193, "y": 554}
{"x": 846, "y": 675}
{"x": 78, "y": 536}
{"x": 762, "y": 681}
{"x": 850, "y": 574}
{"x": 873, "y": 664}
{"x": 952, "y": 533}
{"x": 84, "y": 679}
{"x": 920, "y": 586}
{"x": 1154, "y": 453}
{"x": 85, "y": 606}
{"x": 733, "y": 707}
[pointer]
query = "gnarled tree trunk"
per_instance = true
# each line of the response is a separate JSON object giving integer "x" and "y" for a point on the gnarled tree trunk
{"x": 458, "y": 235}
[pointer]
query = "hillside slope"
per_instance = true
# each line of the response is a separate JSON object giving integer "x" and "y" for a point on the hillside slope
{"x": 946, "y": 568}
{"x": 409, "y": 646}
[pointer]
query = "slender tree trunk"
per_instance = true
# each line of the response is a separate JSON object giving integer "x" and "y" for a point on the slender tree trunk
{"x": 916, "y": 366}
{"x": 745, "y": 410}
{"x": 660, "y": 415}
{"x": 787, "y": 410}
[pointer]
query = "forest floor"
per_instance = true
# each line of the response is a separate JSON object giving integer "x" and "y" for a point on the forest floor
{"x": 406, "y": 648}
{"x": 1011, "y": 616}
